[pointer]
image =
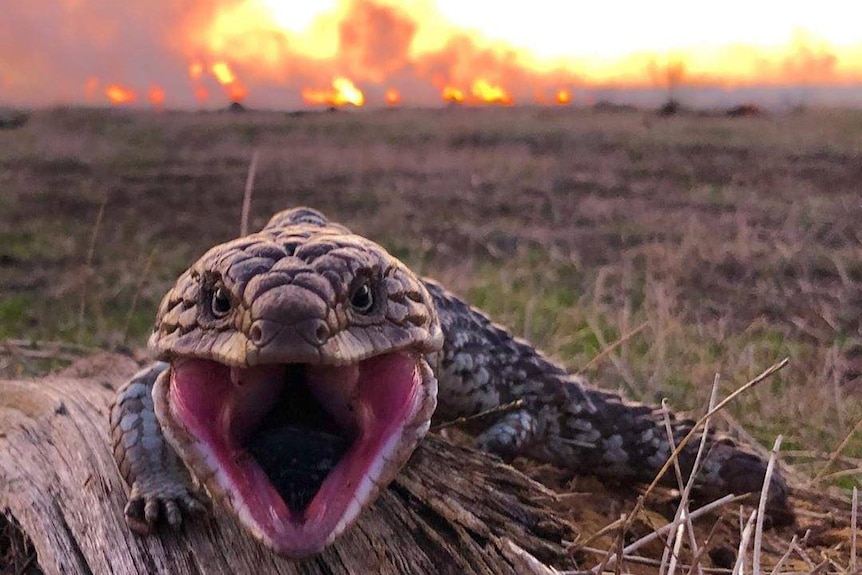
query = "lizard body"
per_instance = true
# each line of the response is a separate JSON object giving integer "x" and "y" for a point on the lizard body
{"x": 301, "y": 367}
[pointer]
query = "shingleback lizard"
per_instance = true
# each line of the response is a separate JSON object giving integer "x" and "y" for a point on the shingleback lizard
{"x": 302, "y": 364}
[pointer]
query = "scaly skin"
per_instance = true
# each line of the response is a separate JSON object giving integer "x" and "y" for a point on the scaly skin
{"x": 288, "y": 286}
{"x": 565, "y": 421}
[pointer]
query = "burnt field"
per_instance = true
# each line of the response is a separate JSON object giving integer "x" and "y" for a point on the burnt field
{"x": 726, "y": 243}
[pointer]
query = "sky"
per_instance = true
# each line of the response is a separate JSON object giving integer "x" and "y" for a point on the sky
{"x": 615, "y": 28}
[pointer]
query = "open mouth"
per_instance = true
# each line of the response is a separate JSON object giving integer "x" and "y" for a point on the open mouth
{"x": 296, "y": 450}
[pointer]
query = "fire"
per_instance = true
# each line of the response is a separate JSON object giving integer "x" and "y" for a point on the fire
{"x": 393, "y": 97}
{"x": 236, "y": 92}
{"x": 432, "y": 50}
{"x": 156, "y": 95}
{"x": 563, "y": 97}
{"x": 342, "y": 92}
{"x": 453, "y": 95}
{"x": 200, "y": 74}
{"x": 196, "y": 70}
{"x": 202, "y": 94}
{"x": 118, "y": 94}
{"x": 481, "y": 91}
{"x": 223, "y": 73}
{"x": 484, "y": 91}
{"x": 347, "y": 93}
{"x": 234, "y": 89}
{"x": 455, "y": 48}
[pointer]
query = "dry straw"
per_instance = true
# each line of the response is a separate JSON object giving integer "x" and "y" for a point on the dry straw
{"x": 246, "y": 197}
{"x": 683, "y": 518}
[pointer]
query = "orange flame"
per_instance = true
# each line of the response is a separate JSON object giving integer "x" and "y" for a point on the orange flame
{"x": 156, "y": 95}
{"x": 481, "y": 91}
{"x": 343, "y": 92}
{"x": 196, "y": 70}
{"x": 377, "y": 41}
{"x": 453, "y": 95}
{"x": 223, "y": 73}
{"x": 393, "y": 97}
{"x": 430, "y": 53}
{"x": 235, "y": 90}
{"x": 201, "y": 93}
{"x": 119, "y": 95}
{"x": 484, "y": 91}
{"x": 563, "y": 97}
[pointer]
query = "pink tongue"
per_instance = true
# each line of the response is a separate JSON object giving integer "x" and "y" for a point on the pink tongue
{"x": 207, "y": 393}
{"x": 368, "y": 396}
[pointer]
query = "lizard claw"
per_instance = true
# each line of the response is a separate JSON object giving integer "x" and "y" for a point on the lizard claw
{"x": 145, "y": 510}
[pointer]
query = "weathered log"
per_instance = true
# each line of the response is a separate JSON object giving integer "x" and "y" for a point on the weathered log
{"x": 451, "y": 510}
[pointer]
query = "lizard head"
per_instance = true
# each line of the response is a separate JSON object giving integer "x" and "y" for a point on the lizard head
{"x": 298, "y": 385}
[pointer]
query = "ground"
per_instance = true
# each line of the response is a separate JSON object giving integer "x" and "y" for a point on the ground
{"x": 735, "y": 242}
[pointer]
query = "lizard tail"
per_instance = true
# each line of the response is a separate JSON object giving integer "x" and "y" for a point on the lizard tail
{"x": 603, "y": 434}
{"x": 562, "y": 420}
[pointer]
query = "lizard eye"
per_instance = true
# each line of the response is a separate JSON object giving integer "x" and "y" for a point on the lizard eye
{"x": 362, "y": 300}
{"x": 220, "y": 302}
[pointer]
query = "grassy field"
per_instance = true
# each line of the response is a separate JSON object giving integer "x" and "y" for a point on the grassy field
{"x": 737, "y": 242}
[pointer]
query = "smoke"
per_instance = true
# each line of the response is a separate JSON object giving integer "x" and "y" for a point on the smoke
{"x": 80, "y": 51}
{"x": 49, "y": 50}
{"x": 375, "y": 41}
{"x": 810, "y": 64}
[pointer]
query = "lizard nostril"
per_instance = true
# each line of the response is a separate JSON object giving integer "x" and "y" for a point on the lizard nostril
{"x": 314, "y": 332}
{"x": 256, "y": 334}
{"x": 321, "y": 333}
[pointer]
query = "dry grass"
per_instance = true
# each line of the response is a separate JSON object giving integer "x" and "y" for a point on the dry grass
{"x": 735, "y": 241}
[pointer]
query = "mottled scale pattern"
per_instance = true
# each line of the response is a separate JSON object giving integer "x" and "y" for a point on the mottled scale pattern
{"x": 290, "y": 281}
{"x": 565, "y": 421}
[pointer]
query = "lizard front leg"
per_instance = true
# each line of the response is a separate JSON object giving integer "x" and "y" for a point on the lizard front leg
{"x": 161, "y": 488}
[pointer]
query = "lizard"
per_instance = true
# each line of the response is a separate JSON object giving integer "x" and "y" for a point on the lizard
{"x": 298, "y": 367}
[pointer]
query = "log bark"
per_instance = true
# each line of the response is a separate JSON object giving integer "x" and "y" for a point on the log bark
{"x": 451, "y": 510}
